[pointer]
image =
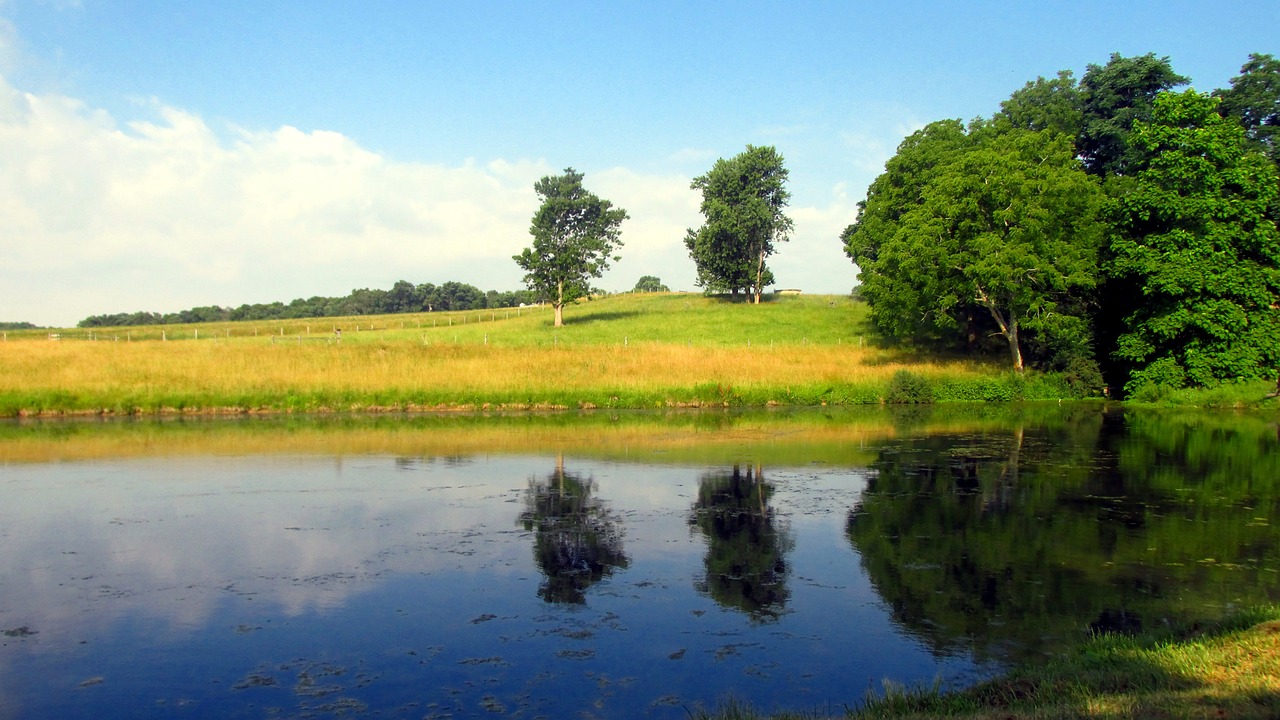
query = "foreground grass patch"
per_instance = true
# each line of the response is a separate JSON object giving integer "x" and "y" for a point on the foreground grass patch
{"x": 1230, "y": 669}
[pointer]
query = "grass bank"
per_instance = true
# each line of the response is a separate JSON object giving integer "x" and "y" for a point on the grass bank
{"x": 1258, "y": 395}
{"x": 1230, "y": 669}
{"x": 627, "y": 351}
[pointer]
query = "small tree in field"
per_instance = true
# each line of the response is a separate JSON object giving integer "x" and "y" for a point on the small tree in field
{"x": 650, "y": 283}
{"x": 575, "y": 235}
{"x": 743, "y": 201}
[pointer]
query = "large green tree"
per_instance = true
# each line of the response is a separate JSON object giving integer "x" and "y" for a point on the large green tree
{"x": 1045, "y": 104}
{"x": 1113, "y": 97}
{"x": 1196, "y": 242}
{"x": 1254, "y": 100}
{"x": 575, "y": 235}
{"x": 743, "y": 200}
{"x": 998, "y": 222}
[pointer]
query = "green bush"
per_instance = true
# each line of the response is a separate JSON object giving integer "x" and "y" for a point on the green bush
{"x": 907, "y": 387}
{"x": 1082, "y": 377}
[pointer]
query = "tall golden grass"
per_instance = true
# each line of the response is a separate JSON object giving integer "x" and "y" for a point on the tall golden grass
{"x": 618, "y": 354}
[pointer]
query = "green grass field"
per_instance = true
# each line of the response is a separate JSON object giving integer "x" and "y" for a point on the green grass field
{"x": 623, "y": 351}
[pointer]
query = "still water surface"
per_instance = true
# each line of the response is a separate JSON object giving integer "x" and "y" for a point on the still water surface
{"x": 634, "y": 566}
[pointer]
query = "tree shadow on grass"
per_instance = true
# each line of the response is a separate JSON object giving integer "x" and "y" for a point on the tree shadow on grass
{"x": 730, "y": 299}
{"x": 587, "y": 318}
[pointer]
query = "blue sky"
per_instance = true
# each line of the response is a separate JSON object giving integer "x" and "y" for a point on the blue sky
{"x": 161, "y": 155}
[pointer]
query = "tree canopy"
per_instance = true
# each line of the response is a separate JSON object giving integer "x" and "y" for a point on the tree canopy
{"x": 1254, "y": 100}
{"x": 1112, "y": 220}
{"x": 1195, "y": 239}
{"x": 743, "y": 200}
{"x": 978, "y": 228}
{"x": 1113, "y": 97}
{"x": 575, "y": 235}
{"x": 650, "y": 283}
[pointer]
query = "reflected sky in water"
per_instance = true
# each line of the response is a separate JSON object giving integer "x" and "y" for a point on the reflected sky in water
{"x": 216, "y": 582}
{"x": 252, "y": 586}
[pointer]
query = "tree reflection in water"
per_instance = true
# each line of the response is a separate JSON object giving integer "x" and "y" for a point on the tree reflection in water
{"x": 746, "y": 567}
{"x": 1011, "y": 545}
{"x": 577, "y": 541}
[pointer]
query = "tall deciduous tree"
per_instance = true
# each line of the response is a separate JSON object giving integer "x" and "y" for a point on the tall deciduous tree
{"x": 1113, "y": 97}
{"x": 1196, "y": 241}
{"x": 575, "y": 235}
{"x": 1045, "y": 105}
{"x": 1254, "y": 100}
{"x": 743, "y": 200}
{"x": 1002, "y": 222}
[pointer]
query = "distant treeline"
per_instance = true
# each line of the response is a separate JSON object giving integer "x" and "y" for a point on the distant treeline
{"x": 403, "y": 297}
{"x": 18, "y": 326}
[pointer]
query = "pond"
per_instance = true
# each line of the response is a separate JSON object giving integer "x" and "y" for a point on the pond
{"x": 598, "y": 565}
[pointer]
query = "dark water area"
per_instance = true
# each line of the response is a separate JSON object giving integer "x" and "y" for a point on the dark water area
{"x": 635, "y": 566}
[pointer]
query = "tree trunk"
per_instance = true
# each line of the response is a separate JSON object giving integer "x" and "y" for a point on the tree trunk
{"x": 1008, "y": 328}
{"x": 1014, "y": 349}
{"x": 559, "y": 304}
{"x": 759, "y": 274}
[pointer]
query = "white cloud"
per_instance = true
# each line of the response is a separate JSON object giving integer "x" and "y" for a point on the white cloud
{"x": 661, "y": 209}
{"x": 162, "y": 214}
{"x": 814, "y": 260}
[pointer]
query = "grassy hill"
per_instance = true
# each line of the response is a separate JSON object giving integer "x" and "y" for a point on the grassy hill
{"x": 631, "y": 350}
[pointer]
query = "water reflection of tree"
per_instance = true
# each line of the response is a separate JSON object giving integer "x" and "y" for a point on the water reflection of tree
{"x": 577, "y": 541}
{"x": 746, "y": 567}
{"x": 1009, "y": 545}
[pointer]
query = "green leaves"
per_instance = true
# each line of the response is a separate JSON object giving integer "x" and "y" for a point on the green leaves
{"x": 743, "y": 199}
{"x": 993, "y": 226}
{"x": 575, "y": 236}
{"x": 1196, "y": 242}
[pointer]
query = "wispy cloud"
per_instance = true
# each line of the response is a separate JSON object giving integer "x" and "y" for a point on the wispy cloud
{"x": 163, "y": 212}
{"x": 160, "y": 213}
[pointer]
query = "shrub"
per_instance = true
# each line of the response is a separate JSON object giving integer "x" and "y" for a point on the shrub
{"x": 907, "y": 387}
{"x": 1082, "y": 377}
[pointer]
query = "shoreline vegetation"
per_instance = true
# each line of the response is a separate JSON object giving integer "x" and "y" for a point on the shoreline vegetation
{"x": 629, "y": 351}
{"x": 1225, "y": 669}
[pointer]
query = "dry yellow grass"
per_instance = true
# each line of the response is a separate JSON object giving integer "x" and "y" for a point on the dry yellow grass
{"x": 249, "y": 368}
{"x": 626, "y": 351}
